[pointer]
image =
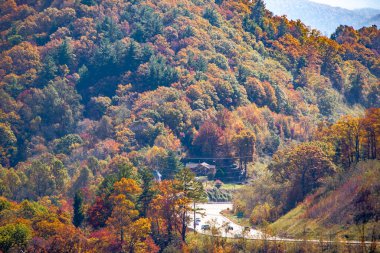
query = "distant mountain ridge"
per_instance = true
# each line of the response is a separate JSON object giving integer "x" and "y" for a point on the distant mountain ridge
{"x": 324, "y": 17}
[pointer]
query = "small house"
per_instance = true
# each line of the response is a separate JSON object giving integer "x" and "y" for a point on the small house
{"x": 202, "y": 169}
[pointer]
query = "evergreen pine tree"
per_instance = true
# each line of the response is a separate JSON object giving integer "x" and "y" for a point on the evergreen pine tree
{"x": 173, "y": 166}
{"x": 146, "y": 196}
{"x": 258, "y": 12}
{"x": 78, "y": 209}
{"x": 65, "y": 53}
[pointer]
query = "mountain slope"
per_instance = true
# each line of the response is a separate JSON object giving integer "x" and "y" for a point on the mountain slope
{"x": 337, "y": 210}
{"x": 323, "y": 17}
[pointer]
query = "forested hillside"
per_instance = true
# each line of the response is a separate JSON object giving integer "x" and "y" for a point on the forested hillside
{"x": 96, "y": 96}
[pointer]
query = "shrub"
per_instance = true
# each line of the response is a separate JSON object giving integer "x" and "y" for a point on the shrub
{"x": 218, "y": 195}
{"x": 260, "y": 214}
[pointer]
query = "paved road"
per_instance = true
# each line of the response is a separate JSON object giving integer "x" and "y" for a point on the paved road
{"x": 212, "y": 216}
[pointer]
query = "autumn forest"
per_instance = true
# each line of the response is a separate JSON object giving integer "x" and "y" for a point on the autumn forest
{"x": 117, "y": 117}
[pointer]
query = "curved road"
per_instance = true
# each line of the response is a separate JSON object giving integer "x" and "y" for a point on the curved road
{"x": 211, "y": 215}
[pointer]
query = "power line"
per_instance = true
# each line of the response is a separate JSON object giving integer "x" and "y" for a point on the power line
{"x": 212, "y": 158}
{"x": 216, "y": 158}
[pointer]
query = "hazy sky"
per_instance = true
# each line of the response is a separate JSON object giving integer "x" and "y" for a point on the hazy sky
{"x": 352, "y": 4}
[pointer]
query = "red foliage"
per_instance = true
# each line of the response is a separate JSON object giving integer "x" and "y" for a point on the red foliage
{"x": 99, "y": 212}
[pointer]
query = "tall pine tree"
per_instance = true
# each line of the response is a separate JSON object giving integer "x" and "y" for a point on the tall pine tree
{"x": 173, "y": 166}
{"x": 147, "y": 194}
{"x": 78, "y": 209}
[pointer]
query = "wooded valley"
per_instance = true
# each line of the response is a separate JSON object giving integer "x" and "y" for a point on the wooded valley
{"x": 117, "y": 115}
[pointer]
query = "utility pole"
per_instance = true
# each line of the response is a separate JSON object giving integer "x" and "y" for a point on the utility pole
{"x": 194, "y": 217}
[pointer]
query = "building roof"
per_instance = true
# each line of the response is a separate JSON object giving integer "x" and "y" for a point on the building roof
{"x": 208, "y": 165}
{"x": 197, "y": 165}
{"x": 191, "y": 165}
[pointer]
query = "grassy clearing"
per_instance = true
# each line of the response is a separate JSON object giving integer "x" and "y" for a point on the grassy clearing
{"x": 293, "y": 225}
{"x": 232, "y": 186}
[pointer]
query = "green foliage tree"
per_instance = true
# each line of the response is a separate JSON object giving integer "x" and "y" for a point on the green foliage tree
{"x": 172, "y": 165}
{"x": 8, "y": 144}
{"x": 198, "y": 63}
{"x": 78, "y": 217}
{"x": 41, "y": 181}
{"x": 120, "y": 167}
{"x": 49, "y": 69}
{"x": 93, "y": 165}
{"x": 212, "y": 16}
{"x": 65, "y": 53}
{"x": 110, "y": 28}
{"x": 147, "y": 193}
{"x": 255, "y": 20}
{"x": 192, "y": 190}
{"x": 158, "y": 73}
{"x": 13, "y": 236}
{"x": 12, "y": 183}
{"x": 148, "y": 24}
{"x": 4, "y": 204}
{"x": 53, "y": 111}
{"x": 88, "y": 2}
{"x": 66, "y": 143}
{"x": 60, "y": 174}
{"x": 258, "y": 12}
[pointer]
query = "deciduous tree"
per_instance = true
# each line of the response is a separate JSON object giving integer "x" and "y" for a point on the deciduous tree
{"x": 303, "y": 166}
